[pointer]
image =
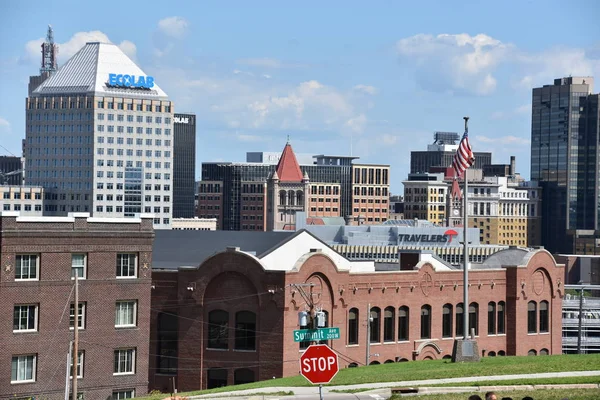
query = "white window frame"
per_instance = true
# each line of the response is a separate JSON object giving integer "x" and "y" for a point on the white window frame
{"x": 24, "y": 358}
{"x": 123, "y": 394}
{"x": 119, "y": 312}
{"x": 124, "y": 353}
{"x": 120, "y": 266}
{"x": 82, "y": 310}
{"x": 74, "y": 267}
{"x": 35, "y": 317}
{"x": 36, "y": 269}
{"x": 80, "y": 361}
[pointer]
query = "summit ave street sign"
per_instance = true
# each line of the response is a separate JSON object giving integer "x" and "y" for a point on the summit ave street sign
{"x": 315, "y": 335}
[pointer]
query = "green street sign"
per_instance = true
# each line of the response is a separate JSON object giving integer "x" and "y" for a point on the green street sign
{"x": 303, "y": 335}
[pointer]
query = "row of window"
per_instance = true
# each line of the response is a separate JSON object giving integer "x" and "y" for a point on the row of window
{"x": 25, "y": 207}
{"x": 24, "y": 367}
{"x": 138, "y": 130}
{"x": 370, "y": 175}
{"x": 377, "y": 210}
{"x": 371, "y": 201}
{"x": 26, "y": 316}
{"x": 244, "y": 327}
{"x": 27, "y": 266}
{"x": 138, "y": 141}
{"x": 138, "y": 118}
{"x": 325, "y": 200}
{"x": 370, "y": 191}
{"x": 138, "y": 153}
{"x": 110, "y": 105}
{"x": 119, "y": 186}
{"x": 320, "y": 189}
{"x": 24, "y": 196}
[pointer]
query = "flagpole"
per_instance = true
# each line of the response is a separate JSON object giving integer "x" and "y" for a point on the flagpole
{"x": 466, "y": 252}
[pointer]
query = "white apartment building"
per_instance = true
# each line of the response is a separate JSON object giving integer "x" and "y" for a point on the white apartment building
{"x": 27, "y": 200}
{"x": 99, "y": 138}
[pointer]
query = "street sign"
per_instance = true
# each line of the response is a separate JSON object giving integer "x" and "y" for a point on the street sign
{"x": 315, "y": 335}
{"x": 319, "y": 364}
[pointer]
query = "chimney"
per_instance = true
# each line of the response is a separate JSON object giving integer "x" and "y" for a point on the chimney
{"x": 512, "y": 166}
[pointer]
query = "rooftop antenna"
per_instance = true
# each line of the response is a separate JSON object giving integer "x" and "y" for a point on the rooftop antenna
{"x": 49, "y": 53}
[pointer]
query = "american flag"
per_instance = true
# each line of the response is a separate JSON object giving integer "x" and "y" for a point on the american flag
{"x": 464, "y": 157}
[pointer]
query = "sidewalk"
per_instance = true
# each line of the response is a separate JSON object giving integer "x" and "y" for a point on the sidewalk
{"x": 372, "y": 387}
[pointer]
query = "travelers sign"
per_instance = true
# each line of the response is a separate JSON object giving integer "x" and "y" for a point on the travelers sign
{"x": 319, "y": 364}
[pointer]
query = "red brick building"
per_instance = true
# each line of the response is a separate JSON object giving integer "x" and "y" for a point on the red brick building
{"x": 224, "y": 315}
{"x": 38, "y": 257}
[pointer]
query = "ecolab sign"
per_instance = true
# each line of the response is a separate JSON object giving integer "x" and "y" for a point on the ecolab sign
{"x": 445, "y": 238}
{"x": 181, "y": 120}
{"x": 130, "y": 81}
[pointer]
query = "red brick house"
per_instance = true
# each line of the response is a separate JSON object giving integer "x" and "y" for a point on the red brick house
{"x": 225, "y": 315}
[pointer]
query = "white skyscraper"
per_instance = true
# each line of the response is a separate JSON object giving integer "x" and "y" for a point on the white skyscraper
{"x": 100, "y": 138}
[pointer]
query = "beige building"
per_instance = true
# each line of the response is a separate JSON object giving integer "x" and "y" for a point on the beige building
{"x": 27, "y": 200}
{"x": 370, "y": 193}
{"x": 194, "y": 224}
{"x": 425, "y": 197}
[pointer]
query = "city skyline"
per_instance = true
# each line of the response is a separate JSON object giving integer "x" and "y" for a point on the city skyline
{"x": 368, "y": 76}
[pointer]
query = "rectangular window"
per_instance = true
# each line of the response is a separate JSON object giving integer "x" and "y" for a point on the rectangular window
{"x": 123, "y": 394}
{"x": 125, "y": 314}
{"x": 80, "y": 316}
{"x": 126, "y": 265}
{"x": 79, "y": 365}
{"x": 27, "y": 267}
{"x": 23, "y": 368}
{"x": 124, "y": 362}
{"x": 78, "y": 265}
{"x": 25, "y": 318}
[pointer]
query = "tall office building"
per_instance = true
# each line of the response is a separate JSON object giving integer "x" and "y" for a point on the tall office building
{"x": 441, "y": 153}
{"x": 11, "y": 170}
{"x": 564, "y": 159}
{"x": 184, "y": 165}
{"x": 99, "y": 138}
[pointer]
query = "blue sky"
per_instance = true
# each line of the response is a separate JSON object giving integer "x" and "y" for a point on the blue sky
{"x": 382, "y": 75}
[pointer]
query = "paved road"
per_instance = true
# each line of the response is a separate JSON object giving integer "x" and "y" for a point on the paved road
{"x": 381, "y": 390}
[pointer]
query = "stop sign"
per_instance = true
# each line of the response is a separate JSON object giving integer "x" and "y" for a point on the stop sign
{"x": 319, "y": 364}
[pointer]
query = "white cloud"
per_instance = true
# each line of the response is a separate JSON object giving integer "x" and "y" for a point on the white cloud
{"x": 264, "y": 62}
{"x": 524, "y": 110}
{"x": 249, "y": 138}
{"x": 175, "y": 27}
{"x": 372, "y": 90}
{"x": 4, "y": 123}
{"x": 503, "y": 140}
{"x": 357, "y": 124}
{"x": 389, "y": 139}
{"x": 67, "y": 49}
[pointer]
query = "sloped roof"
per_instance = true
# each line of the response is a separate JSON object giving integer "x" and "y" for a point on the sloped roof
{"x": 288, "y": 168}
{"x": 510, "y": 256}
{"x": 87, "y": 72}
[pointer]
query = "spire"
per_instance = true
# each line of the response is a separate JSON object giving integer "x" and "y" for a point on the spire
{"x": 49, "y": 53}
{"x": 288, "y": 168}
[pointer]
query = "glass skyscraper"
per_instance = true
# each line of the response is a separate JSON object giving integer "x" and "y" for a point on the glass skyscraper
{"x": 564, "y": 158}
{"x": 184, "y": 165}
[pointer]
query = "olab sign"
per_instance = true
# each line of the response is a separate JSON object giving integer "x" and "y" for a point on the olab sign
{"x": 130, "y": 81}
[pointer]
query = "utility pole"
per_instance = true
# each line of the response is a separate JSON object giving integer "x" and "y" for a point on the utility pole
{"x": 75, "y": 339}
{"x": 368, "y": 334}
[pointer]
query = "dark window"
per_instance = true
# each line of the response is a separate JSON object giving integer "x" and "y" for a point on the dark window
{"x": 426, "y": 322}
{"x": 388, "y": 324}
{"x": 243, "y": 375}
{"x": 460, "y": 324}
{"x": 447, "y": 317}
{"x": 531, "y": 317}
{"x": 474, "y": 318}
{"x": 374, "y": 320}
{"x": 491, "y": 318}
{"x": 245, "y": 330}
{"x": 501, "y": 319}
{"x": 218, "y": 329}
{"x": 167, "y": 344}
{"x": 353, "y": 326}
{"x": 544, "y": 316}
{"x": 403, "y": 315}
{"x": 217, "y": 377}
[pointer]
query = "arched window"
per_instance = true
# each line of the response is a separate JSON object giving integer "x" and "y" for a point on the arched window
{"x": 544, "y": 352}
{"x": 389, "y": 362}
{"x": 243, "y": 375}
{"x": 474, "y": 318}
{"x": 299, "y": 198}
{"x": 218, "y": 329}
{"x": 374, "y": 363}
{"x": 426, "y": 322}
{"x": 353, "y": 326}
{"x": 388, "y": 324}
{"x": 460, "y": 315}
{"x": 447, "y": 317}
{"x": 532, "y": 317}
{"x": 544, "y": 316}
{"x": 532, "y": 352}
{"x": 374, "y": 320}
{"x": 282, "y": 198}
{"x": 217, "y": 377}
{"x": 492, "y": 354}
{"x": 352, "y": 365}
{"x": 403, "y": 321}
{"x": 501, "y": 353}
{"x": 491, "y": 318}
{"x": 291, "y": 198}
{"x": 501, "y": 321}
{"x": 245, "y": 330}
{"x": 167, "y": 343}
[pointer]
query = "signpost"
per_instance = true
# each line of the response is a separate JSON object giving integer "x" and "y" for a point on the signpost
{"x": 316, "y": 335}
{"x": 319, "y": 364}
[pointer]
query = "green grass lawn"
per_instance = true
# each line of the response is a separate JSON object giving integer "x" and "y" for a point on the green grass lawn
{"x": 435, "y": 369}
{"x": 546, "y": 394}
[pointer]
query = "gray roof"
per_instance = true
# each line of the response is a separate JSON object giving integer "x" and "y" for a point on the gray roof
{"x": 510, "y": 256}
{"x": 174, "y": 248}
